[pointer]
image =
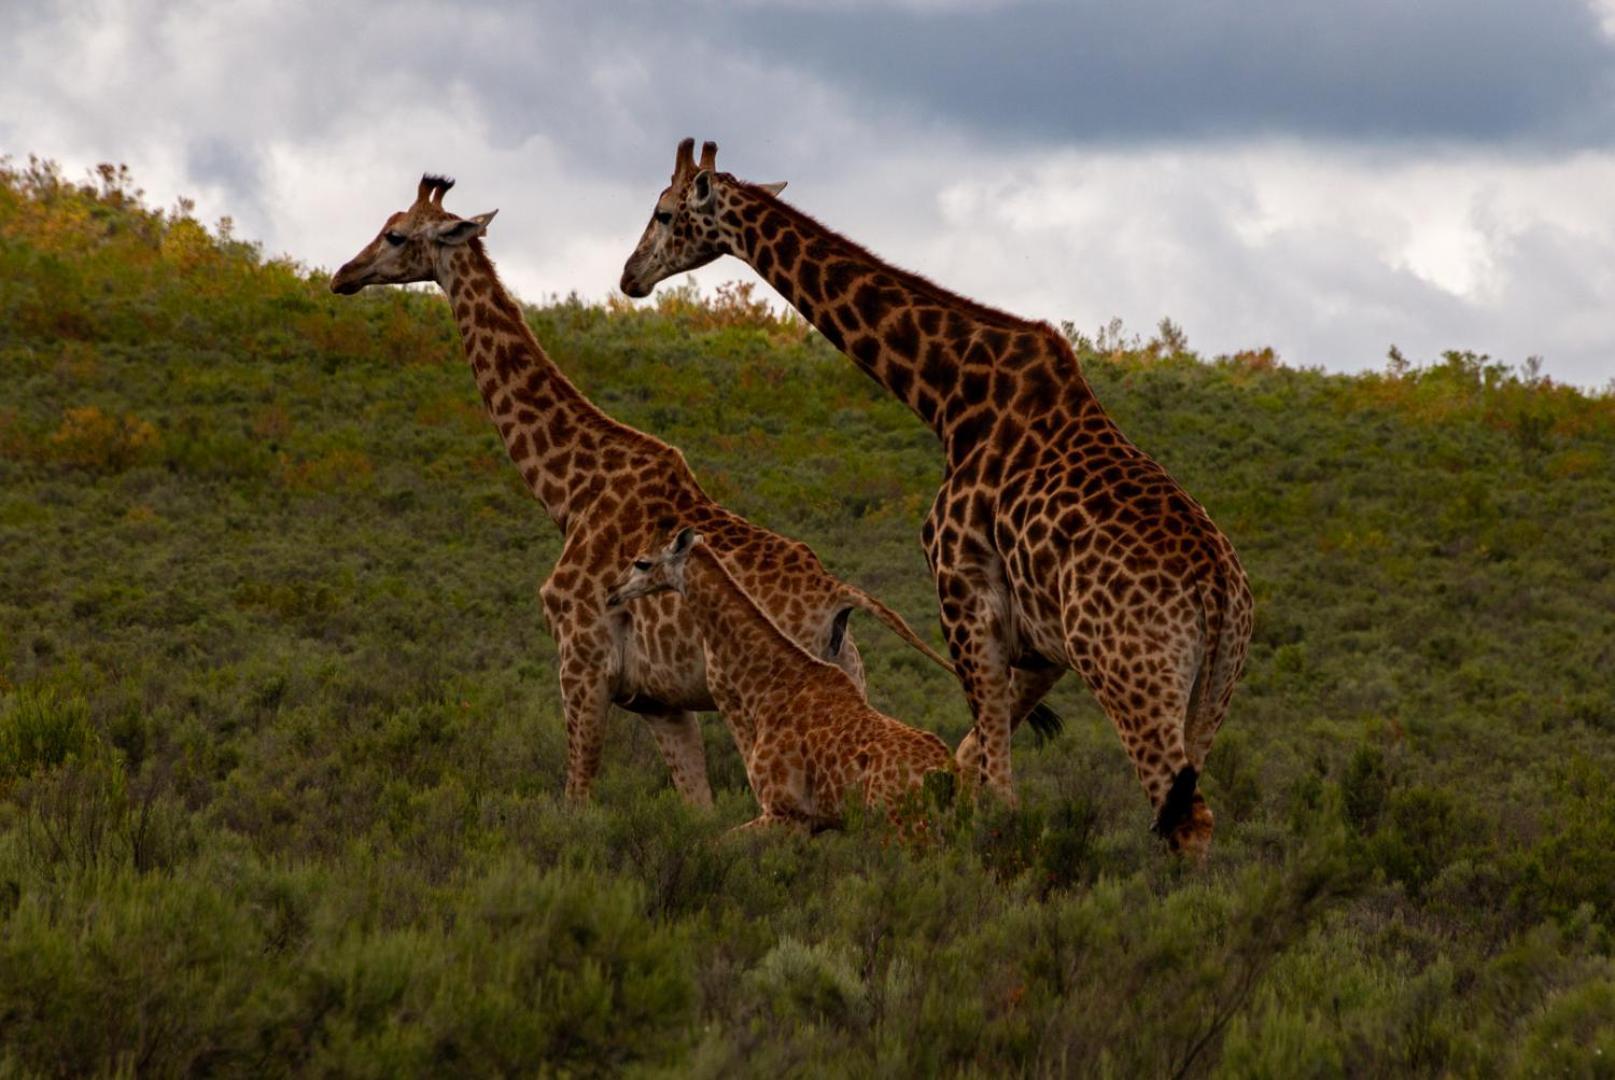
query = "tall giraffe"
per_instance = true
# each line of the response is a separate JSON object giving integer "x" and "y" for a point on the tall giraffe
{"x": 1055, "y": 543}
{"x": 611, "y": 490}
{"x": 812, "y": 736}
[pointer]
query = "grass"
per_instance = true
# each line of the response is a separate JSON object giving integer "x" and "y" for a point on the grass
{"x": 281, "y": 749}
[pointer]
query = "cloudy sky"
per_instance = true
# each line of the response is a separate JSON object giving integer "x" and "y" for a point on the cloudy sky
{"x": 1327, "y": 178}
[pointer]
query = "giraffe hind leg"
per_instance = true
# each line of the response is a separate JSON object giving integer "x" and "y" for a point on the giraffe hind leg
{"x": 1027, "y": 687}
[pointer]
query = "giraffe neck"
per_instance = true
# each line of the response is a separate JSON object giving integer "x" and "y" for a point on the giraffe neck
{"x": 737, "y": 633}
{"x": 952, "y": 361}
{"x": 552, "y": 432}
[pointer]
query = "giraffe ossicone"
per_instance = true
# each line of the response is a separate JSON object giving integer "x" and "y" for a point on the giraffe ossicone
{"x": 1055, "y": 543}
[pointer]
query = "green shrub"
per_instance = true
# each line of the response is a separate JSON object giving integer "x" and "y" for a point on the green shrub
{"x": 295, "y": 801}
{"x": 1422, "y": 835}
{"x": 1573, "y": 1034}
{"x": 39, "y": 730}
{"x": 558, "y": 968}
{"x": 798, "y": 983}
{"x": 121, "y": 973}
{"x": 1365, "y": 788}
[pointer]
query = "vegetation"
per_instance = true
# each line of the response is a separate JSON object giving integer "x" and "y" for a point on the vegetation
{"x": 281, "y": 752}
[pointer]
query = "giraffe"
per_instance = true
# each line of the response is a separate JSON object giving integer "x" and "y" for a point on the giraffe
{"x": 611, "y": 490}
{"x": 812, "y": 737}
{"x": 1055, "y": 543}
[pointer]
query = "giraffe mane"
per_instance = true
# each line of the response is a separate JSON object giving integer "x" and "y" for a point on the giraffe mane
{"x": 919, "y": 284}
{"x": 591, "y": 415}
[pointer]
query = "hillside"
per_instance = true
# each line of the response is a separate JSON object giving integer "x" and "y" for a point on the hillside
{"x": 281, "y": 752}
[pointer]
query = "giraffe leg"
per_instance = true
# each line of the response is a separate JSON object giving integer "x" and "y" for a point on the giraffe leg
{"x": 678, "y": 736}
{"x": 1027, "y": 687}
{"x": 585, "y": 697}
{"x": 850, "y": 660}
{"x": 768, "y": 818}
{"x": 975, "y": 637}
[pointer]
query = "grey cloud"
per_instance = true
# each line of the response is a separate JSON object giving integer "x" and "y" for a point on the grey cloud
{"x": 307, "y": 122}
{"x": 1446, "y": 69}
{"x": 213, "y": 159}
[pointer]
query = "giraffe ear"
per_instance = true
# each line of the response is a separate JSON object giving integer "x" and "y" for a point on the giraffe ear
{"x": 683, "y": 542}
{"x": 773, "y": 189}
{"x": 701, "y": 191}
{"x": 460, "y": 230}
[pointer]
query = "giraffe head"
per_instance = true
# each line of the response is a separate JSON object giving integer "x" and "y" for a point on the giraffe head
{"x": 685, "y": 231}
{"x": 412, "y": 243}
{"x": 656, "y": 571}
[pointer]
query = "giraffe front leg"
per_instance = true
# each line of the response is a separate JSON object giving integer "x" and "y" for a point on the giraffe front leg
{"x": 761, "y": 821}
{"x": 770, "y": 818}
{"x": 678, "y": 736}
{"x": 585, "y": 697}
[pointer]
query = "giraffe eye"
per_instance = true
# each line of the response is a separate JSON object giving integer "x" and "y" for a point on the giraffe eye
{"x": 664, "y": 216}
{"x": 395, "y": 238}
{"x": 642, "y": 564}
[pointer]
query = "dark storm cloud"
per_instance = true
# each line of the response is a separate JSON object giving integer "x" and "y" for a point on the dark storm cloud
{"x": 1447, "y": 69}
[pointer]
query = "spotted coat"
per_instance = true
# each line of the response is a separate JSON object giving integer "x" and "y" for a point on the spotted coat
{"x": 612, "y": 491}
{"x": 808, "y": 737}
{"x": 1055, "y": 543}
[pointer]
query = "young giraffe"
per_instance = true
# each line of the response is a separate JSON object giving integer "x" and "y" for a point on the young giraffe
{"x": 611, "y": 490}
{"x": 1055, "y": 542}
{"x": 812, "y": 736}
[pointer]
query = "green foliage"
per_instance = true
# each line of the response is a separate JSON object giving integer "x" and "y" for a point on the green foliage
{"x": 281, "y": 748}
{"x": 38, "y": 730}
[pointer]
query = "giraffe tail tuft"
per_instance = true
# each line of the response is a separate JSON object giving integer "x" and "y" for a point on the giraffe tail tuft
{"x": 1178, "y": 804}
{"x": 1045, "y": 723}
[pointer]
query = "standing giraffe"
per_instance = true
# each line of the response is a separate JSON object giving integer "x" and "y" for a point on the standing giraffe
{"x": 812, "y": 736}
{"x": 611, "y": 490}
{"x": 1055, "y": 542}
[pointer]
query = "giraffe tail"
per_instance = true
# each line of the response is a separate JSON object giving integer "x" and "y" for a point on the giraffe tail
{"x": 1204, "y": 711}
{"x": 1043, "y": 720}
{"x": 1222, "y": 594}
{"x": 1178, "y": 804}
{"x": 895, "y": 622}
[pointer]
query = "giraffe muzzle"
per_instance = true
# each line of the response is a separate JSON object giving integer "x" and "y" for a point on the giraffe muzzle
{"x": 347, "y": 281}
{"x": 632, "y": 286}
